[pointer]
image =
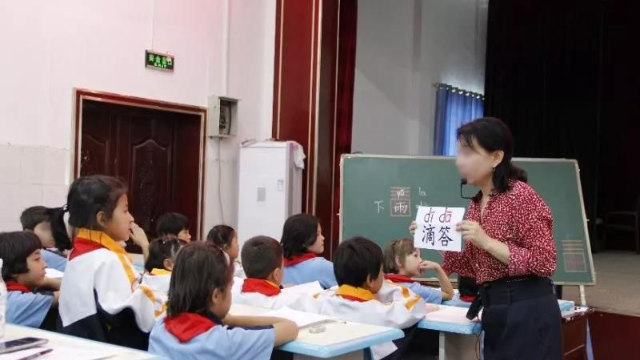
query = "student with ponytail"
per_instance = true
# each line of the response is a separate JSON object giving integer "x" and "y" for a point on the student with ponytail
{"x": 55, "y": 242}
{"x": 100, "y": 297}
{"x": 225, "y": 238}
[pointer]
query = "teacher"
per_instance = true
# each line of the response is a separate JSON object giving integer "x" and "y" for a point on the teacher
{"x": 509, "y": 248}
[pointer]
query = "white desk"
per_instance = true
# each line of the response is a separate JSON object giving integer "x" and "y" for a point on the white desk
{"x": 341, "y": 339}
{"x": 460, "y": 338}
{"x": 79, "y": 345}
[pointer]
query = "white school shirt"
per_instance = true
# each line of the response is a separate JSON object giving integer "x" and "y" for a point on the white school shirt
{"x": 101, "y": 278}
{"x": 158, "y": 281}
{"x": 238, "y": 271}
{"x": 429, "y": 295}
{"x": 198, "y": 337}
{"x": 360, "y": 305}
{"x": 264, "y": 294}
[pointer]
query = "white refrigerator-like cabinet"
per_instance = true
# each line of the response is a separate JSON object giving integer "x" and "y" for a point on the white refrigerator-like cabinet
{"x": 270, "y": 188}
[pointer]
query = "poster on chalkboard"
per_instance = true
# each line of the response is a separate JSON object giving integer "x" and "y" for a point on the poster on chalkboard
{"x": 436, "y": 228}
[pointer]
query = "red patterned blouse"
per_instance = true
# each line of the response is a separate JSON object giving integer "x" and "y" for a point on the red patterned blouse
{"x": 522, "y": 220}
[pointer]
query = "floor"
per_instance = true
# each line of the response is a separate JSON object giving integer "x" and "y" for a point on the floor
{"x": 617, "y": 288}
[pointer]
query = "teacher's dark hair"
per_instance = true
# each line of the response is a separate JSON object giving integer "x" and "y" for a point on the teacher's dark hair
{"x": 493, "y": 134}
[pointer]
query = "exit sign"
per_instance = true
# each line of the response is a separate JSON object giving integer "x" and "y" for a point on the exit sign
{"x": 158, "y": 61}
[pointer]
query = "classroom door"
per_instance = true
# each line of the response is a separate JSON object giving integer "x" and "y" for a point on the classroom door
{"x": 157, "y": 152}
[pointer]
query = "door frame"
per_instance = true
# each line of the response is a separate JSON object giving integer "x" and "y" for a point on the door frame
{"x": 80, "y": 95}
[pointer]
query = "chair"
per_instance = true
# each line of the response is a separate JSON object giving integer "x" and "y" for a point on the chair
{"x": 626, "y": 221}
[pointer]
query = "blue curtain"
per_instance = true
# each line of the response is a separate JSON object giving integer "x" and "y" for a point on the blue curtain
{"x": 454, "y": 107}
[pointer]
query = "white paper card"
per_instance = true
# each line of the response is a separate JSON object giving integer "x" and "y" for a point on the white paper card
{"x": 436, "y": 228}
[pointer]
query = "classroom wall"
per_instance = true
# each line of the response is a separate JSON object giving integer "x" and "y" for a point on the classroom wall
{"x": 403, "y": 48}
{"x": 250, "y": 59}
{"x": 50, "y": 48}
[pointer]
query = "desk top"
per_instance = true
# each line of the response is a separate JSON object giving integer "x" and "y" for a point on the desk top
{"x": 70, "y": 347}
{"x": 339, "y": 337}
{"x": 451, "y": 317}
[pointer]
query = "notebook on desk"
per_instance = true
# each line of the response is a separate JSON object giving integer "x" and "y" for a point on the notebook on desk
{"x": 301, "y": 318}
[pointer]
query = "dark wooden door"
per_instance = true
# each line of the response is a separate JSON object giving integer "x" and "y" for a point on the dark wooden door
{"x": 156, "y": 152}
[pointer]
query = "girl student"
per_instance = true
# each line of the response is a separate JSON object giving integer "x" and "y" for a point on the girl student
{"x": 302, "y": 241}
{"x": 100, "y": 297}
{"x": 226, "y": 238}
{"x": 158, "y": 267}
{"x": 198, "y": 324}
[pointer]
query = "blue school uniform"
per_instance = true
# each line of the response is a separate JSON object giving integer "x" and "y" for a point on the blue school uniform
{"x": 306, "y": 268}
{"x": 428, "y": 294}
{"x": 196, "y": 336}
{"x": 54, "y": 260}
{"x": 26, "y": 308}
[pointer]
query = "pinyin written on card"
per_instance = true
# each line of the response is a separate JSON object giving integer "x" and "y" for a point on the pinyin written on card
{"x": 436, "y": 228}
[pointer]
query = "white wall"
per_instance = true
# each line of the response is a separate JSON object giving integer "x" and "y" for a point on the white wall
{"x": 403, "y": 48}
{"x": 250, "y": 78}
{"x": 51, "y": 47}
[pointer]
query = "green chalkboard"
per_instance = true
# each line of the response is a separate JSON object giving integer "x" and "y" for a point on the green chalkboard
{"x": 371, "y": 207}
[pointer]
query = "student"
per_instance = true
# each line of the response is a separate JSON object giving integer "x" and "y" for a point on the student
{"x": 225, "y": 237}
{"x": 262, "y": 262}
{"x": 23, "y": 270}
{"x": 302, "y": 242}
{"x": 100, "y": 298}
{"x": 162, "y": 255}
{"x": 199, "y": 301}
{"x": 402, "y": 261}
{"x": 358, "y": 268}
{"x": 174, "y": 224}
{"x": 37, "y": 219}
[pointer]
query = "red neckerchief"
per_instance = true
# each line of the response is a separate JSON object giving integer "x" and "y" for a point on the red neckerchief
{"x": 297, "y": 259}
{"x": 16, "y": 286}
{"x": 186, "y": 326}
{"x": 261, "y": 286}
{"x": 467, "y": 298}
{"x": 82, "y": 246}
{"x": 397, "y": 278}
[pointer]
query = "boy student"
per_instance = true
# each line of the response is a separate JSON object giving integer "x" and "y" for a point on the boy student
{"x": 37, "y": 219}
{"x": 23, "y": 271}
{"x": 402, "y": 261}
{"x": 174, "y": 224}
{"x": 358, "y": 267}
{"x": 199, "y": 300}
{"x": 262, "y": 262}
{"x": 302, "y": 242}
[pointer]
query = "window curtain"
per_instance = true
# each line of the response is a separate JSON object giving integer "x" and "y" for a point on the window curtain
{"x": 454, "y": 108}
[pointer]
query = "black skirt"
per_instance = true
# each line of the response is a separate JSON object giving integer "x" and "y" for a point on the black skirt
{"x": 521, "y": 320}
